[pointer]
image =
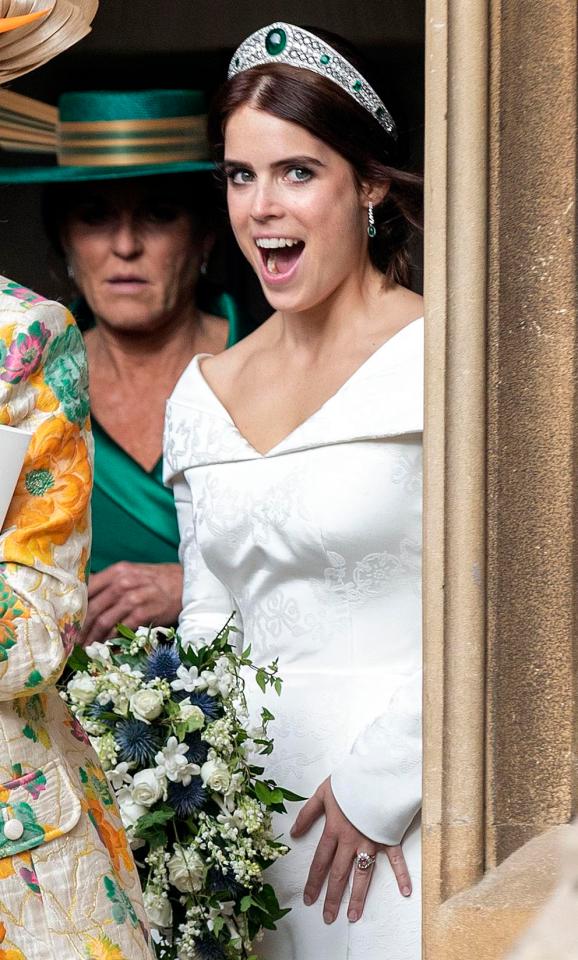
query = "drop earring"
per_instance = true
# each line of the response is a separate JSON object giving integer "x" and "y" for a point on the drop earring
{"x": 69, "y": 270}
{"x": 371, "y": 231}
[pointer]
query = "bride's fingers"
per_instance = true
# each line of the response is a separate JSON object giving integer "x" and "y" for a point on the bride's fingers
{"x": 309, "y": 813}
{"x": 338, "y": 877}
{"x": 320, "y": 866}
{"x": 360, "y": 886}
{"x": 399, "y": 867}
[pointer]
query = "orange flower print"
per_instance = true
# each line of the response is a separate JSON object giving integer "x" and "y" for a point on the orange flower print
{"x": 6, "y": 871}
{"x": 12, "y": 953}
{"x": 113, "y": 839}
{"x": 102, "y": 948}
{"x": 52, "y": 495}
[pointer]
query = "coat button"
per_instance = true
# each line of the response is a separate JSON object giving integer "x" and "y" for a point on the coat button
{"x": 13, "y": 829}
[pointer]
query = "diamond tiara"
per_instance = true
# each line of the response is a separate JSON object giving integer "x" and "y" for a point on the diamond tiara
{"x": 285, "y": 43}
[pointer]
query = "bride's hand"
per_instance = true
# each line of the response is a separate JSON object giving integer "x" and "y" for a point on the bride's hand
{"x": 336, "y": 851}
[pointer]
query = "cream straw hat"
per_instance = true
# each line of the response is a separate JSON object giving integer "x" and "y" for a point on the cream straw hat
{"x": 34, "y": 31}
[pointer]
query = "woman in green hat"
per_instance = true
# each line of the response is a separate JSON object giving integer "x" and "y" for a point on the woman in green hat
{"x": 130, "y": 204}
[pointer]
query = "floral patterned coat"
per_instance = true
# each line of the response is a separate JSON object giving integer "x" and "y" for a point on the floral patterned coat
{"x": 68, "y": 884}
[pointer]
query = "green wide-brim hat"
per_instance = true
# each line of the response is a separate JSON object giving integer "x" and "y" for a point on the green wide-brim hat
{"x": 106, "y": 135}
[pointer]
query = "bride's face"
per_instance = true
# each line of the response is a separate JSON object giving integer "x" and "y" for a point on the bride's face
{"x": 295, "y": 208}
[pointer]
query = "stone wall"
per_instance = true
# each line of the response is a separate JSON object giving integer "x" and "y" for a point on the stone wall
{"x": 500, "y": 556}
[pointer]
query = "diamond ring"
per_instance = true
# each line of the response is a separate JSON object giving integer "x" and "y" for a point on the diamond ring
{"x": 364, "y": 860}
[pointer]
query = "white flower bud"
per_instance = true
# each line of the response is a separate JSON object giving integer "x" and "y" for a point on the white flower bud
{"x": 99, "y": 652}
{"x": 158, "y": 909}
{"x": 82, "y": 688}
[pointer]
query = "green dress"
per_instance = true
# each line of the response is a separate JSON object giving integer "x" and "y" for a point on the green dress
{"x": 133, "y": 513}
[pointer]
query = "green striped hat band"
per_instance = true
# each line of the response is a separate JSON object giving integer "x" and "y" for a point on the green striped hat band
{"x": 100, "y": 129}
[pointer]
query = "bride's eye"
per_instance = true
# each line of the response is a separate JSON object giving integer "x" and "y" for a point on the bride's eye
{"x": 298, "y": 174}
{"x": 239, "y": 176}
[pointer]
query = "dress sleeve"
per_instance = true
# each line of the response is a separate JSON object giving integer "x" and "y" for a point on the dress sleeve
{"x": 378, "y": 787}
{"x": 45, "y": 539}
{"x": 207, "y": 604}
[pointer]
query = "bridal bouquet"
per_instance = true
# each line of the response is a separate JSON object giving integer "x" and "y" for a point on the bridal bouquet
{"x": 169, "y": 722}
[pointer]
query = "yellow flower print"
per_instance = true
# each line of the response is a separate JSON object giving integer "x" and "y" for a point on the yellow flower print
{"x": 11, "y": 610}
{"x": 103, "y": 949}
{"x": 6, "y": 871}
{"x": 12, "y": 953}
{"x": 46, "y": 400}
{"x": 52, "y": 495}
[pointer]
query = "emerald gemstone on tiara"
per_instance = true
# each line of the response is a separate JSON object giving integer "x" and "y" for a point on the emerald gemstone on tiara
{"x": 275, "y": 42}
{"x": 286, "y": 43}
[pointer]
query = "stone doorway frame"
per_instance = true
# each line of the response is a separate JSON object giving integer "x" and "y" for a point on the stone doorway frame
{"x": 500, "y": 455}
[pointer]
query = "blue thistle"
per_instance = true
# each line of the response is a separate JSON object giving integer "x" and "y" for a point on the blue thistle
{"x": 198, "y": 748}
{"x": 137, "y": 741}
{"x": 217, "y": 882}
{"x": 96, "y": 711}
{"x": 210, "y": 706}
{"x": 185, "y": 800}
{"x": 210, "y": 949}
{"x": 162, "y": 662}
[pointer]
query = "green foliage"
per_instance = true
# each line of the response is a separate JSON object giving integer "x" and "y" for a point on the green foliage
{"x": 78, "y": 661}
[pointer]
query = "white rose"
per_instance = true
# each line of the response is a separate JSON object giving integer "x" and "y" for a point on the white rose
{"x": 98, "y": 651}
{"x": 130, "y": 811}
{"x": 158, "y": 909}
{"x": 192, "y": 715}
{"x": 186, "y": 870}
{"x": 82, "y": 688}
{"x": 147, "y": 787}
{"x": 215, "y": 775}
{"x": 146, "y": 704}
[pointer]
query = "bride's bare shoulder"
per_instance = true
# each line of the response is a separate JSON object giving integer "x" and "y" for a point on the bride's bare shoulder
{"x": 230, "y": 362}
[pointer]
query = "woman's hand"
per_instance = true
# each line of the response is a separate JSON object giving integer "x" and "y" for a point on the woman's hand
{"x": 340, "y": 843}
{"x": 136, "y": 594}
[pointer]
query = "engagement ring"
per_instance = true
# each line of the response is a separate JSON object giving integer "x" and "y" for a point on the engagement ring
{"x": 363, "y": 860}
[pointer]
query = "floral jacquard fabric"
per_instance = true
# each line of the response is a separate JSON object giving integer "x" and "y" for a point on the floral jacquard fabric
{"x": 68, "y": 884}
{"x": 317, "y": 547}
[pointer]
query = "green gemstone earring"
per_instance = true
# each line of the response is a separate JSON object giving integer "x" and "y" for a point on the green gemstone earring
{"x": 371, "y": 231}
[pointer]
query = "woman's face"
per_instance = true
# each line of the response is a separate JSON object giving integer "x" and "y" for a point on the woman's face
{"x": 295, "y": 208}
{"x": 132, "y": 248}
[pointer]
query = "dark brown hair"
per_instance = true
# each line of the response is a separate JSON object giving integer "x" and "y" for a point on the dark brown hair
{"x": 332, "y": 115}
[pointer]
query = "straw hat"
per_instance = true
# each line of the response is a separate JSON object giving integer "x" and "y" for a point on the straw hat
{"x": 34, "y": 31}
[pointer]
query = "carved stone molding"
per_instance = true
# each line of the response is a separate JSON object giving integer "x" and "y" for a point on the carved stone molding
{"x": 499, "y": 546}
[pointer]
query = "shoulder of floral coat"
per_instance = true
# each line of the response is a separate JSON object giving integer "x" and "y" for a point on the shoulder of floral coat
{"x": 40, "y": 344}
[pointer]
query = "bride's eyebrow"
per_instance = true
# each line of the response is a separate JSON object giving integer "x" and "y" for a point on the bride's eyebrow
{"x": 302, "y": 161}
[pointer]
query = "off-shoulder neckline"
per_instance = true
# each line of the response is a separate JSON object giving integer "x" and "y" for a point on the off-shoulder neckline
{"x": 359, "y": 371}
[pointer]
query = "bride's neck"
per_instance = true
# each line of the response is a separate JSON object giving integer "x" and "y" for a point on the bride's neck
{"x": 348, "y": 311}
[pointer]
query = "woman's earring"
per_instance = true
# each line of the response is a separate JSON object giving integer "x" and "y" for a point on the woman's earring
{"x": 204, "y": 267}
{"x": 69, "y": 270}
{"x": 371, "y": 231}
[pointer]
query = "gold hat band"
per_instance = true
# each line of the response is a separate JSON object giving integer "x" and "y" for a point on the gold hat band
{"x": 128, "y": 142}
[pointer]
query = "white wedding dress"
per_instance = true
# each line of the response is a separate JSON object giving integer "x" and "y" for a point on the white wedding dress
{"x": 317, "y": 546}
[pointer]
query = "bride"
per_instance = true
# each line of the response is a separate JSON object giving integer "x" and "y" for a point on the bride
{"x": 295, "y": 459}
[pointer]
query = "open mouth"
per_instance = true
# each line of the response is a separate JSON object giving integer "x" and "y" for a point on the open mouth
{"x": 280, "y": 255}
